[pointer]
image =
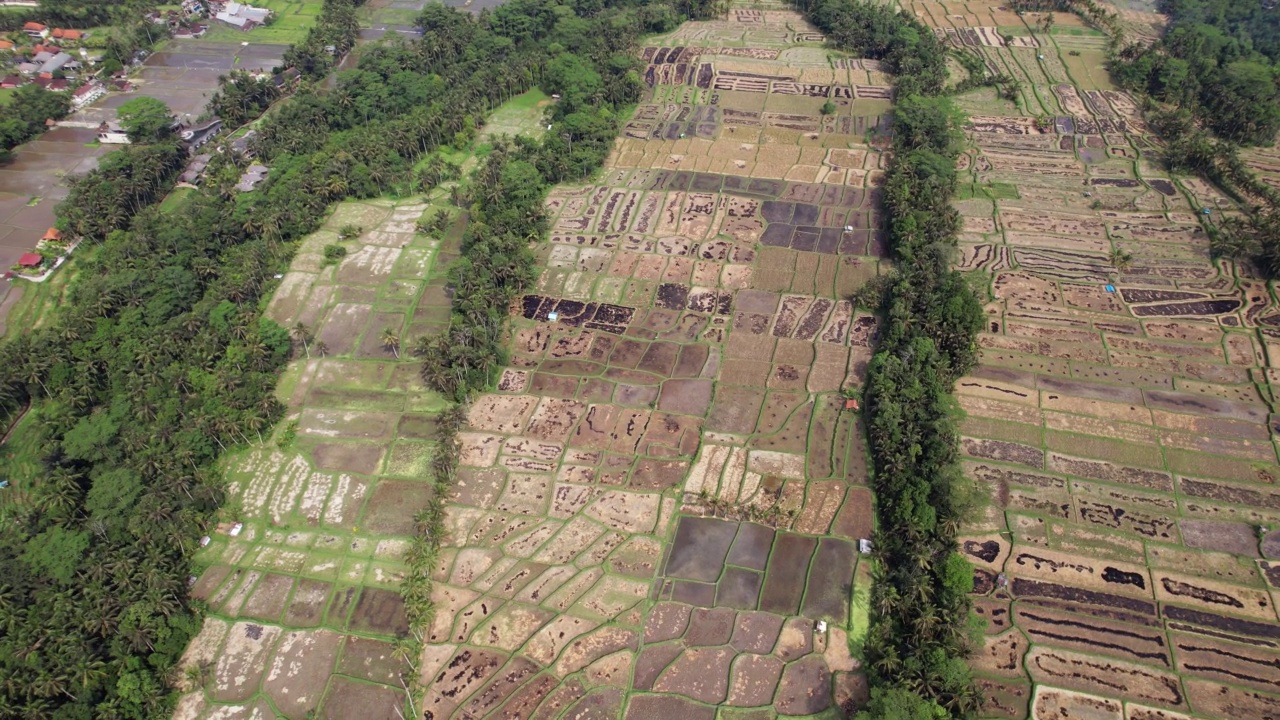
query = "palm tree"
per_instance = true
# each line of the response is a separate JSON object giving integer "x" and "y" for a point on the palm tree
{"x": 1120, "y": 259}
{"x": 391, "y": 341}
{"x": 87, "y": 673}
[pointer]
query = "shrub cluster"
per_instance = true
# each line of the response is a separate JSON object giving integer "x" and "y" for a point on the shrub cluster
{"x": 25, "y": 115}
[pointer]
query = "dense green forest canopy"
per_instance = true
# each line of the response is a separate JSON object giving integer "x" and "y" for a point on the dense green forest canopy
{"x": 160, "y": 359}
{"x": 76, "y": 13}
{"x": 1218, "y": 58}
{"x": 1252, "y": 23}
{"x": 25, "y": 115}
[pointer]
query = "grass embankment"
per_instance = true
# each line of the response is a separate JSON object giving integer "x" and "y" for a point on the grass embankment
{"x": 919, "y": 635}
{"x": 39, "y": 301}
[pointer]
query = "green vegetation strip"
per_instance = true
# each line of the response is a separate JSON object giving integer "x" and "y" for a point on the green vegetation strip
{"x": 920, "y": 622}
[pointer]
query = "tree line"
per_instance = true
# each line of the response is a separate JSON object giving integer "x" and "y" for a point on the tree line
{"x": 1229, "y": 85}
{"x": 920, "y": 633}
{"x": 1218, "y": 66}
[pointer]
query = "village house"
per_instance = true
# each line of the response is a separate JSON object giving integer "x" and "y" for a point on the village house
{"x": 241, "y": 145}
{"x": 68, "y": 36}
{"x": 54, "y": 84}
{"x": 193, "y": 8}
{"x": 112, "y": 133}
{"x": 53, "y": 234}
{"x": 251, "y": 177}
{"x": 6, "y": 44}
{"x": 36, "y": 30}
{"x": 11, "y": 81}
{"x": 86, "y": 94}
{"x": 30, "y": 260}
{"x": 241, "y": 16}
{"x": 194, "y": 171}
{"x": 190, "y": 32}
{"x": 286, "y": 79}
{"x": 58, "y": 63}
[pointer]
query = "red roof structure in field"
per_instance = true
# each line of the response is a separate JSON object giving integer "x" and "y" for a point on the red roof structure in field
{"x": 30, "y": 260}
{"x": 52, "y": 234}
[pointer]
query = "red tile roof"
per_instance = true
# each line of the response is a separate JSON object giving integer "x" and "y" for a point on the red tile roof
{"x": 67, "y": 34}
{"x": 30, "y": 260}
{"x": 6, "y": 45}
{"x": 34, "y": 26}
{"x": 52, "y": 234}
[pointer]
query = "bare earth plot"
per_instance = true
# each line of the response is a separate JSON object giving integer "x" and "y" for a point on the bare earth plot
{"x": 1122, "y": 412}
{"x": 676, "y": 374}
{"x": 304, "y": 603}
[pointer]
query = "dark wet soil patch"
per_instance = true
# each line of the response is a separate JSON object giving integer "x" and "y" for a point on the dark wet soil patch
{"x": 831, "y": 581}
{"x": 700, "y": 547}
{"x": 751, "y": 546}
{"x": 380, "y": 612}
{"x": 785, "y": 580}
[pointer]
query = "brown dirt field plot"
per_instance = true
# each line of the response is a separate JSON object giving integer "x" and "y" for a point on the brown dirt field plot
{"x": 1117, "y": 416}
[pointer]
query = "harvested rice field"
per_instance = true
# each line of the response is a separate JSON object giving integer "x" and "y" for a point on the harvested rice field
{"x": 303, "y": 597}
{"x": 660, "y": 503}
{"x": 1121, "y": 416}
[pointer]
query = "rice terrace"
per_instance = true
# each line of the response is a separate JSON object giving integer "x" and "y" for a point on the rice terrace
{"x": 906, "y": 360}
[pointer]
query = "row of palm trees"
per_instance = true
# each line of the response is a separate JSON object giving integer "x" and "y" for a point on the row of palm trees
{"x": 919, "y": 640}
